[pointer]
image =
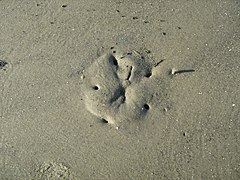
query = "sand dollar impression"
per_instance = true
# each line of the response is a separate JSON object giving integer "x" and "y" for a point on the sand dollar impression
{"x": 115, "y": 88}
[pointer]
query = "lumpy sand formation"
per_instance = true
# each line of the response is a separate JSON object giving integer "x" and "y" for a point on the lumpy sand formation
{"x": 117, "y": 87}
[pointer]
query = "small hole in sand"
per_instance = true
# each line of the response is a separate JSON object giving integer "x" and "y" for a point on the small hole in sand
{"x": 146, "y": 106}
{"x": 95, "y": 87}
{"x": 104, "y": 121}
{"x": 3, "y": 64}
{"x": 148, "y": 75}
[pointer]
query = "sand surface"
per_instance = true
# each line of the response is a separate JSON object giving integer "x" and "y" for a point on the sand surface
{"x": 119, "y": 89}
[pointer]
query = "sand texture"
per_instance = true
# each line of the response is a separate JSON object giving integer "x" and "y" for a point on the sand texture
{"x": 120, "y": 90}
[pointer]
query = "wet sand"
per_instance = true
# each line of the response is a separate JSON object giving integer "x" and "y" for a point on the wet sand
{"x": 119, "y": 89}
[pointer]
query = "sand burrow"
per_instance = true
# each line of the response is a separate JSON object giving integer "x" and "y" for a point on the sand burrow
{"x": 116, "y": 89}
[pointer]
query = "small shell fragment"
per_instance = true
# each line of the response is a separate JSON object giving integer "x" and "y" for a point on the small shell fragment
{"x": 173, "y": 71}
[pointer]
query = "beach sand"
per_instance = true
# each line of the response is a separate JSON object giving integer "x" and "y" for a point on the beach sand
{"x": 119, "y": 89}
